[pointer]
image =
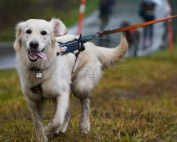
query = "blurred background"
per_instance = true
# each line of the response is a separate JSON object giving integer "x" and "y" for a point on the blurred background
{"x": 98, "y": 15}
{"x": 134, "y": 102}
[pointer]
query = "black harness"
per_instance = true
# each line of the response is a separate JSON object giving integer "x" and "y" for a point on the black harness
{"x": 75, "y": 46}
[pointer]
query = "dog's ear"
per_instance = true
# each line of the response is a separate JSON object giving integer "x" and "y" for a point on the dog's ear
{"x": 17, "y": 44}
{"x": 59, "y": 28}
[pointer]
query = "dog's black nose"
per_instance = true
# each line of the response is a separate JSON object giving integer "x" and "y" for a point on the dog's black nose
{"x": 34, "y": 45}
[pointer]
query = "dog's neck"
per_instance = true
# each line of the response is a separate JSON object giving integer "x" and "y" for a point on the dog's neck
{"x": 36, "y": 69}
{"x": 40, "y": 66}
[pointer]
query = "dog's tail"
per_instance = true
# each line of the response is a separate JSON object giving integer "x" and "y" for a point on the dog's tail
{"x": 110, "y": 56}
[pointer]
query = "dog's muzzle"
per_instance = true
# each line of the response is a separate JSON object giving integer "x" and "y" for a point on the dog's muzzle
{"x": 34, "y": 54}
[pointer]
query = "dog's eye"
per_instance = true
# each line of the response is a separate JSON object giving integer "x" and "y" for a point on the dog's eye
{"x": 43, "y": 33}
{"x": 28, "y": 31}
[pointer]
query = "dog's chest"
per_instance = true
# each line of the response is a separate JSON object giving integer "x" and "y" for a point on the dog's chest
{"x": 50, "y": 85}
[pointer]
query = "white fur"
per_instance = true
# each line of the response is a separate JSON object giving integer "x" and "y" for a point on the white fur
{"x": 58, "y": 82}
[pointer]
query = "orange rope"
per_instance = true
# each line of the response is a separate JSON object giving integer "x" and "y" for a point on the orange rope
{"x": 134, "y": 26}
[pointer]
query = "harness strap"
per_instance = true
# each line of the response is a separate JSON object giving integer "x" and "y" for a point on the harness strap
{"x": 80, "y": 49}
{"x": 65, "y": 44}
{"x": 71, "y": 46}
{"x": 77, "y": 55}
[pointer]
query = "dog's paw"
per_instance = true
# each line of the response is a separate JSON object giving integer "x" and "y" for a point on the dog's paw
{"x": 61, "y": 130}
{"x": 84, "y": 128}
{"x": 49, "y": 131}
{"x": 51, "y": 128}
{"x": 58, "y": 132}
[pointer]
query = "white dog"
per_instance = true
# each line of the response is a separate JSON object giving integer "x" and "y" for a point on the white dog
{"x": 44, "y": 75}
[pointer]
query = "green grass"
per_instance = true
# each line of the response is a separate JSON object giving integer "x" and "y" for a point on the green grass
{"x": 136, "y": 101}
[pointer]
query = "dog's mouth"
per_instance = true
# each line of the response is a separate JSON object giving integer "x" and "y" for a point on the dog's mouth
{"x": 35, "y": 55}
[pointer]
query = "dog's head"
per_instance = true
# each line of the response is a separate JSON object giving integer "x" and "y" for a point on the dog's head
{"x": 35, "y": 39}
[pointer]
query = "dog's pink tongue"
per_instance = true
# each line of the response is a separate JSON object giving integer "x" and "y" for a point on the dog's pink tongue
{"x": 40, "y": 54}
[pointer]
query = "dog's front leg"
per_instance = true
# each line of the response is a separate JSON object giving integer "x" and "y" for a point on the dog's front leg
{"x": 36, "y": 111}
{"x": 62, "y": 103}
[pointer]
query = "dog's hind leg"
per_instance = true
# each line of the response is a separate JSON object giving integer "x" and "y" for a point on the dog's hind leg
{"x": 84, "y": 82}
{"x": 84, "y": 122}
{"x": 83, "y": 96}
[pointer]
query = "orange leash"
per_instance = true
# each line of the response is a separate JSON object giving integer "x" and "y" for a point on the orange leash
{"x": 107, "y": 32}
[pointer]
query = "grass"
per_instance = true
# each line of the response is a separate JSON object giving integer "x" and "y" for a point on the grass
{"x": 134, "y": 102}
